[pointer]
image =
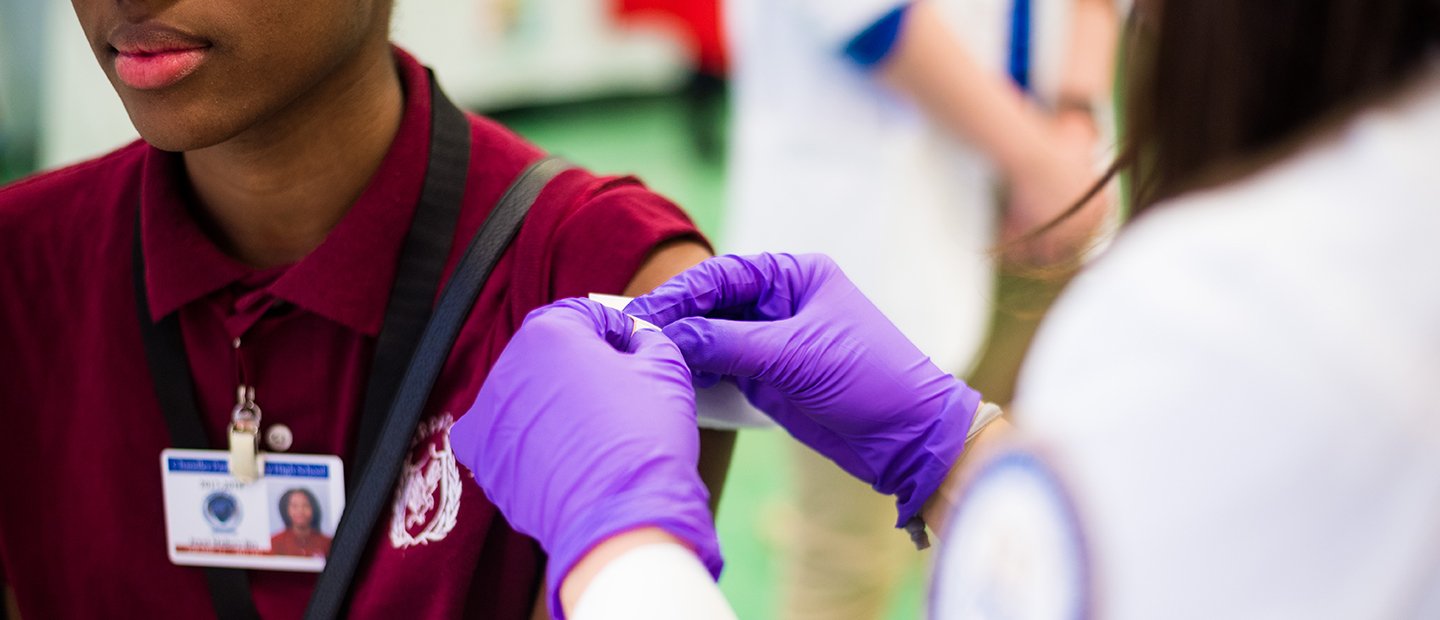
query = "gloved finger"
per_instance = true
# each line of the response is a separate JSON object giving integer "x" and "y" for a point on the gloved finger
{"x": 724, "y": 347}
{"x": 660, "y": 358}
{"x": 467, "y": 436}
{"x": 578, "y": 316}
{"x": 749, "y": 283}
{"x": 654, "y": 345}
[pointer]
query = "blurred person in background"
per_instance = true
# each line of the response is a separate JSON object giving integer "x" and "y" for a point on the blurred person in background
{"x": 879, "y": 132}
{"x": 1232, "y": 413}
{"x": 286, "y": 157}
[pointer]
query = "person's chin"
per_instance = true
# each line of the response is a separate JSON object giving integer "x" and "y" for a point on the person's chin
{"x": 178, "y": 130}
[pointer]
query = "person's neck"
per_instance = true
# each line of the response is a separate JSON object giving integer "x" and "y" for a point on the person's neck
{"x": 270, "y": 195}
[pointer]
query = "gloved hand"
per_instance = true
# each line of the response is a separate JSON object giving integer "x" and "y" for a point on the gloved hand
{"x": 583, "y": 431}
{"x": 810, "y": 350}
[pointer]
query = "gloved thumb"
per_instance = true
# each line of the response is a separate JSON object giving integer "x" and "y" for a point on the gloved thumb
{"x": 723, "y": 347}
{"x": 652, "y": 344}
{"x": 465, "y": 436}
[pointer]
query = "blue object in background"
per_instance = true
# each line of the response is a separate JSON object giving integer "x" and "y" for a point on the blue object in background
{"x": 875, "y": 43}
{"x": 1020, "y": 44}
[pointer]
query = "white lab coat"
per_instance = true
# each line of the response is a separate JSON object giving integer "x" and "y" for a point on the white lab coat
{"x": 1239, "y": 405}
{"x": 1242, "y": 398}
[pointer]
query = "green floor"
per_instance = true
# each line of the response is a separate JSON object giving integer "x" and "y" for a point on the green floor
{"x": 650, "y": 138}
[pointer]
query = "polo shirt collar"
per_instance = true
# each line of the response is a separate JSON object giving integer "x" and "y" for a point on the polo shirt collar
{"x": 346, "y": 279}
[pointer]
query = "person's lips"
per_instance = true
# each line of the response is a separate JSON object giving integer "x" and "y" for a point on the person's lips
{"x": 151, "y": 56}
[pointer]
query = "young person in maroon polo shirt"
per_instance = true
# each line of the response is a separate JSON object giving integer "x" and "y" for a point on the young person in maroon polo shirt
{"x": 285, "y": 145}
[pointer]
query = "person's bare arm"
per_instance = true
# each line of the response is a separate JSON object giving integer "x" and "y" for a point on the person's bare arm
{"x": 664, "y": 263}
{"x": 934, "y": 69}
{"x": 1046, "y": 168}
{"x": 1089, "y": 71}
{"x": 1088, "y": 76}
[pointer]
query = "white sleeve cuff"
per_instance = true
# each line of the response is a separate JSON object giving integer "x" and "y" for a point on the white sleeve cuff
{"x": 661, "y": 580}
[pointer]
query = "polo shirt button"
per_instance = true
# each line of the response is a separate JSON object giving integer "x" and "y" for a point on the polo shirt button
{"x": 279, "y": 437}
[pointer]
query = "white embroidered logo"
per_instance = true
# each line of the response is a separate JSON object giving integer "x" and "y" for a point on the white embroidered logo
{"x": 427, "y": 500}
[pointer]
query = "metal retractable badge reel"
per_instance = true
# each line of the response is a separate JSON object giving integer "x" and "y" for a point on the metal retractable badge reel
{"x": 245, "y": 436}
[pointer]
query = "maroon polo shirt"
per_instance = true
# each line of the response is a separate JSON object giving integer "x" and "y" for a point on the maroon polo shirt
{"x": 82, "y": 531}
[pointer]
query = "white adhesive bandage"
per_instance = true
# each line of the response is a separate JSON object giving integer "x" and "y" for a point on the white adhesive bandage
{"x": 617, "y": 302}
{"x": 721, "y": 406}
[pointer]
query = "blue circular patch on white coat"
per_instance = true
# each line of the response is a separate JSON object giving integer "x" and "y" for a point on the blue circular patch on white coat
{"x": 1013, "y": 548}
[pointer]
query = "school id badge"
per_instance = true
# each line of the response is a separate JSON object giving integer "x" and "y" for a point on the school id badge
{"x": 283, "y": 520}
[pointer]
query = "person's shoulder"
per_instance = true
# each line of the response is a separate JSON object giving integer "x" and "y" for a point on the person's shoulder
{"x": 1291, "y": 274}
{"x": 586, "y": 232}
{"x": 499, "y": 156}
{"x": 68, "y": 195}
{"x": 607, "y": 230}
{"x": 1345, "y": 217}
{"x": 598, "y": 204}
{"x": 1356, "y": 185}
{"x": 498, "y": 150}
{"x": 1190, "y": 291}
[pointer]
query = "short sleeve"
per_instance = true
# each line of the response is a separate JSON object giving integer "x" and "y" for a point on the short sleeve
{"x": 875, "y": 43}
{"x": 839, "y": 22}
{"x": 611, "y": 233}
{"x": 591, "y": 235}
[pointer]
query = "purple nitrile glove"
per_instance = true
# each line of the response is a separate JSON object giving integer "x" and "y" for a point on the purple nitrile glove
{"x": 584, "y": 430}
{"x": 810, "y": 350}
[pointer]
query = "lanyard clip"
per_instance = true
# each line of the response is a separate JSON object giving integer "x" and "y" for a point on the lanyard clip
{"x": 245, "y": 437}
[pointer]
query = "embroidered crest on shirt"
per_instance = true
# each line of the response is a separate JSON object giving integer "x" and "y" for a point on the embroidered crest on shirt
{"x": 427, "y": 500}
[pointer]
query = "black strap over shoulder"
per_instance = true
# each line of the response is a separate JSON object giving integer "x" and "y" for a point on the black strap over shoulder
{"x": 417, "y": 276}
{"x": 484, "y": 251}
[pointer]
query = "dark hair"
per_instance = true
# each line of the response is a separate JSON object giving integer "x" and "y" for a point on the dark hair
{"x": 1222, "y": 83}
{"x": 314, "y": 507}
{"x": 1217, "y": 89}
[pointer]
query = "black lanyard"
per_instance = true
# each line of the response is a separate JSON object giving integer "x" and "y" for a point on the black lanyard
{"x": 400, "y": 377}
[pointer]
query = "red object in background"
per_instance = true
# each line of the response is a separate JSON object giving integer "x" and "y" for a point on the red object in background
{"x": 697, "y": 23}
